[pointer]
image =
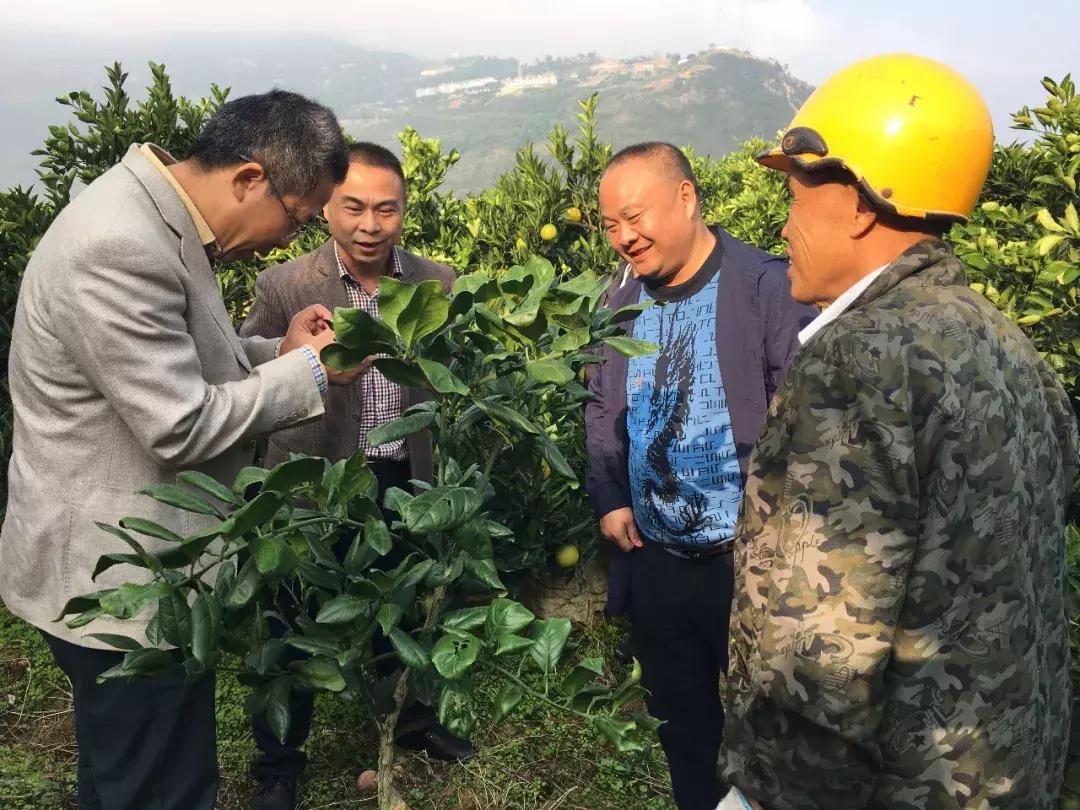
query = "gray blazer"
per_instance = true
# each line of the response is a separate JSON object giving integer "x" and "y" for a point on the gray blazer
{"x": 124, "y": 369}
{"x": 314, "y": 278}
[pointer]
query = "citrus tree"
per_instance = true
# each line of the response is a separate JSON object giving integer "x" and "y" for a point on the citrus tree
{"x": 491, "y": 355}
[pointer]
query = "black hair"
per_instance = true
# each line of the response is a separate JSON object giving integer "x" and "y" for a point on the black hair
{"x": 378, "y": 157}
{"x": 670, "y": 155}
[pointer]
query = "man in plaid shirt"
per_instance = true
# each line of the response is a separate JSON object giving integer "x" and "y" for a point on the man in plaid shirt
{"x": 365, "y": 216}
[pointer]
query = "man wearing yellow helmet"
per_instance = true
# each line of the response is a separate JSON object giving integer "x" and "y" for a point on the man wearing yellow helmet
{"x": 899, "y": 633}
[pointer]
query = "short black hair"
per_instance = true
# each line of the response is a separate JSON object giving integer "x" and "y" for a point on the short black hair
{"x": 670, "y": 155}
{"x": 296, "y": 140}
{"x": 371, "y": 154}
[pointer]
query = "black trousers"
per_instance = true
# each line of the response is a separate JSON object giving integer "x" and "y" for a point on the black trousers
{"x": 285, "y": 760}
{"x": 679, "y": 615}
{"x": 144, "y": 743}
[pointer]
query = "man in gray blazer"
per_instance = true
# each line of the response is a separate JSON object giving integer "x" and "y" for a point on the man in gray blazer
{"x": 365, "y": 217}
{"x": 125, "y": 370}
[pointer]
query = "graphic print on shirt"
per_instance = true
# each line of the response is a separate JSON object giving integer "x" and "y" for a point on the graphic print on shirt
{"x": 684, "y": 471}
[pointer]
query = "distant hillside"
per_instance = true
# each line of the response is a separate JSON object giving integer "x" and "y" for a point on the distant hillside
{"x": 486, "y": 107}
{"x": 712, "y": 100}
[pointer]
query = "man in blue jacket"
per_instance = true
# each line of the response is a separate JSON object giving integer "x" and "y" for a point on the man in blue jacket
{"x": 669, "y": 436}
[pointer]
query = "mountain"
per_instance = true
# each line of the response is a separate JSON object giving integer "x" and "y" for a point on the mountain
{"x": 486, "y": 107}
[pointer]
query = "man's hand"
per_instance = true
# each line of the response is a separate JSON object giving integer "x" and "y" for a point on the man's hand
{"x": 619, "y": 527}
{"x": 309, "y": 327}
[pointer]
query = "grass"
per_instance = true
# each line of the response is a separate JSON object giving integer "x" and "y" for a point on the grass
{"x": 538, "y": 759}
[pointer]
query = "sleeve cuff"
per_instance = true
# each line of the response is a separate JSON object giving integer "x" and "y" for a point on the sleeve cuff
{"x": 316, "y": 367}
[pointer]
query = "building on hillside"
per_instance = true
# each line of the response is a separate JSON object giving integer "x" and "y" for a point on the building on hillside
{"x": 437, "y": 71}
{"x": 452, "y": 89}
{"x": 609, "y": 67}
{"x": 530, "y": 82}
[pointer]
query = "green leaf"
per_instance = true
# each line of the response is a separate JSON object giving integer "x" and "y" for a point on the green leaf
{"x": 343, "y": 609}
{"x": 146, "y": 661}
{"x": 205, "y": 626}
{"x": 571, "y": 340}
{"x": 247, "y": 583}
{"x": 1048, "y": 243}
{"x": 506, "y": 616}
{"x": 174, "y": 619}
{"x": 550, "y": 637}
{"x": 441, "y": 509}
{"x": 586, "y": 670}
{"x": 414, "y": 574}
{"x": 273, "y": 556}
{"x": 265, "y": 656}
{"x": 1048, "y": 221}
{"x": 255, "y": 513}
{"x": 1072, "y": 221}
{"x": 507, "y": 416}
{"x": 360, "y": 556}
{"x": 411, "y": 654}
{"x": 631, "y": 347}
{"x": 318, "y": 576}
{"x": 400, "y": 428}
{"x": 150, "y": 529}
{"x": 618, "y": 732}
{"x": 276, "y": 710}
{"x": 128, "y": 600}
{"x": 318, "y": 673}
{"x": 389, "y": 616}
{"x": 340, "y": 358}
{"x": 452, "y": 655}
{"x": 442, "y": 379}
{"x": 401, "y": 372}
{"x": 484, "y": 570}
{"x": 395, "y": 499}
{"x": 107, "y": 561}
{"x": 376, "y": 534}
{"x": 475, "y": 539}
{"x": 180, "y": 498}
{"x": 631, "y": 311}
{"x": 412, "y": 311}
{"x": 507, "y": 643}
{"x": 82, "y": 603}
{"x": 465, "y": 619}
{"x": 357, "y": 329}
{"x": 457, "y": 711}
{"x": 555, "y": 459}
{"x": 211, "y": 486}
{"x": 248, "y": 476}
{"x": 507, "y": 700}
{"x": 119, "y": 642}
{"x": 313, "y": 646}
{"x": 549, "y": 371}
{"x": 296, "y": 472}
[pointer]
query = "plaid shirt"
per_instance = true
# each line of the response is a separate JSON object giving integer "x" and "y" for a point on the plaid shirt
{"x": 380, "y": 399}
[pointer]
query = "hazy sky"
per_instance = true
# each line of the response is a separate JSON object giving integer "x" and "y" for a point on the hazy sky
{"x": 1004, "y": 47}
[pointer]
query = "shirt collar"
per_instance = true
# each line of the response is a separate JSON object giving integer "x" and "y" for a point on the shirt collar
{"x": 161, "y": 160}
{"x": 344, "y": 272}
{"x": 839, "y": 306}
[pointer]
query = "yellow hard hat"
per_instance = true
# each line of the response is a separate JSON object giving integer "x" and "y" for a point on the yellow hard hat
{"x": 916, "y": 135}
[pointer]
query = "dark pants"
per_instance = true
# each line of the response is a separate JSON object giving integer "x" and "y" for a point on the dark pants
{"x": 286, "y": 760}
{"x": 144, "y": 743}
{"x": 679, "y": 615}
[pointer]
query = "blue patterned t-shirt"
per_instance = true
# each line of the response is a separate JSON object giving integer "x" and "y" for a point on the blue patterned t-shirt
{"x": 684, "y": 471}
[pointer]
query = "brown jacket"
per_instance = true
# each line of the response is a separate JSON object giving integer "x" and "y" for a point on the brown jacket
{"x": 280, "y": 293}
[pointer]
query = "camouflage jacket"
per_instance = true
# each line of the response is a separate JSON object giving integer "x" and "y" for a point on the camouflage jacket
{"x": 899, "y": 635}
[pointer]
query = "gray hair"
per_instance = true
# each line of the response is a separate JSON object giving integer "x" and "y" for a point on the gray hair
{"x": 296, "y": 140}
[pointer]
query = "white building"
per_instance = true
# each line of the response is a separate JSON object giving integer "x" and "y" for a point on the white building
{"x": 458, "y": 88}
{"x": 529, "y": 82}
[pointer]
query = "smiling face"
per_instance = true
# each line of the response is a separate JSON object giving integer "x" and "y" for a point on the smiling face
{"x": 650, "y": 215}
{"x": 365, "y": 215}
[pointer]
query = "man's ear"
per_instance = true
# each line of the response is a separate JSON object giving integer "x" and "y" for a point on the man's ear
{"x": 688, "y": 196}
{"x": 245, "y": 179}
{"x": 864, "y": 217}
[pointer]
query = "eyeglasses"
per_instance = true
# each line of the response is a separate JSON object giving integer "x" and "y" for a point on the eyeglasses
{"x": 293, "y": 221}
